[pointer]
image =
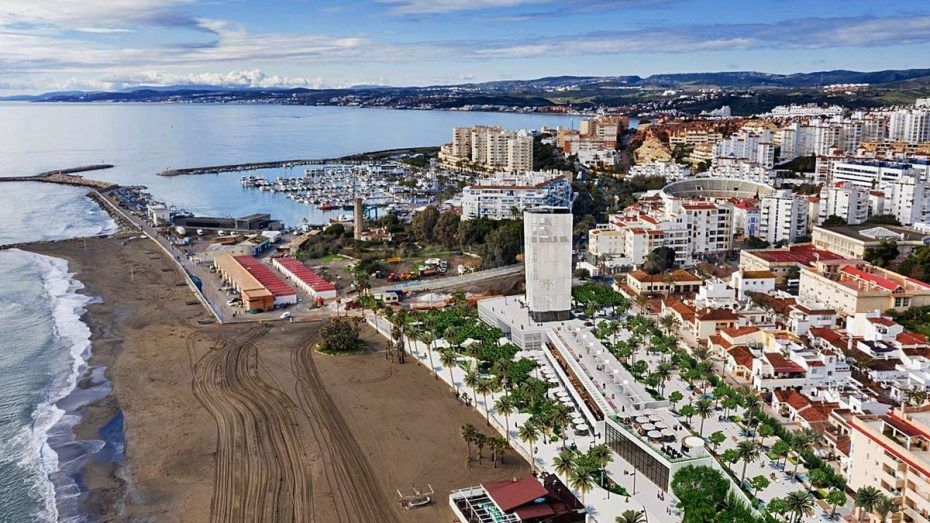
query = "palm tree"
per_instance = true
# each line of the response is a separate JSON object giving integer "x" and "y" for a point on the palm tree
{"x": 474, "y": 351}
{"x": 427, "y": 337}
{"x": 748, "y": 450}
{"x": 505, "y": 406}
{"x": 468, "y": 434}
{"x": 472, "y": 380}
{"x": 499, "y": 445}
{"x": 801, "y": 442}
{"x": 565, "y": 462}
{"x": 447, "y": 359}
{"x": 484, "y": 387}
{"x": 885, "y": 506}
{"x": 561, "y": 418}
{"x": 799, "y": 504}
{"x": 703, "y": 408}
{"x": 664, "y": 373}
{"x": 631, "y": 516}
{"x": 866, "y": 498}
{"x": 529, "y": 434}
{"x": 582, "y": 480}
{"x": 481, "y": 440}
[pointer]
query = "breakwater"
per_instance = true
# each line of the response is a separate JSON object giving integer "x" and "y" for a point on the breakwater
{"x": 253, "y": 166}
{"x": 66, "y": 177}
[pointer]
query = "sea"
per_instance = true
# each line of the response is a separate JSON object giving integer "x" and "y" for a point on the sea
{"x": 45, "y": 346}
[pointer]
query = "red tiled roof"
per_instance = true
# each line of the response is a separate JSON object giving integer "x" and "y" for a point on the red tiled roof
{"x": 781, "y": 364}
{"x": 709, "y": 314}
{"x": 265, "y": 276}
{"x": 813, "y": 415}
{"x": 511, "y": 494}
{"x": 804, "y": 254}
{"x": 882, "y": 320}
{"x": 742, "y": 356}
{"x": 736, "y": 332}
{"x": 307, "y": 275}
{"x": 911, "y": 338}
{"x": 829, "y": 335}
{"x": 859, "y": 274}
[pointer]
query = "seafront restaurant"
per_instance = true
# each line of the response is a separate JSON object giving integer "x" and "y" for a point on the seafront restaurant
{"x": 523, "y": 500}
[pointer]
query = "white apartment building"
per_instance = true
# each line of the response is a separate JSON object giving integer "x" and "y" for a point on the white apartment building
{"x": 750, "y": 147}
{"x": 548, "y": 262}
{"x": 742, "y": 170}
{"x": 793, "y": 110}
{"x": 907, "y": 199}
{"x": 796, "y": 139}
{"x": 845, "y": 200}
{"x": 692, "y": 228}
{"x": 875, "y": 174}
{"x": 490, "y": 148}
{"x": 909, "y": 125}
{"x": 506, "y": 195}
{"x": 783, "y": 217}
{"x": 671, "y": 171}
{"x": 694, "y": 138}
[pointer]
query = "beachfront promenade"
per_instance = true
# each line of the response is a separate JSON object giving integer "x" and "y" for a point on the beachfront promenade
{"x": 602, "y": 506}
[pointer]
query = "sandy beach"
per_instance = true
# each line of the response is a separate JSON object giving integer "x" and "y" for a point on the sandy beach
{"x": 247, "y": 422}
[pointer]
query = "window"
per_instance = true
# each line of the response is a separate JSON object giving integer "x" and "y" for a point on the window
{"x": 642, "y": 461}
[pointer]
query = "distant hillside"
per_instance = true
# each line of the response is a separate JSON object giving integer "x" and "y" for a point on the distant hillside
{"x": 746, "y": 92}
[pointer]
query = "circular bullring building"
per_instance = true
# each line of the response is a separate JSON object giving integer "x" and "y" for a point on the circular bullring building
{"x": 717, "y": 188}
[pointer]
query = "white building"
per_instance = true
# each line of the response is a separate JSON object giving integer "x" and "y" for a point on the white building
{"x": 505, "y": 195}
{"x": 793, "y": 110}
{"x": 907, "y": 199}
{"x": 490, "y": 148}
{"x": 548, "y": 261}
{"x": 749, "y": 147}
{"x": 783, "y": 217}
{"x": 847, "y": 201}
{"x": 671, "y": 171}
{"x": 910, "y": 125}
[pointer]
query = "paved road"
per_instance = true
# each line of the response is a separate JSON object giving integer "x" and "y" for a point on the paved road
{"x": 448, "y": 282}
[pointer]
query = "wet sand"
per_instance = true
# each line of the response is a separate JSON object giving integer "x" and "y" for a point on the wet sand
{"x": 247, "y": 422}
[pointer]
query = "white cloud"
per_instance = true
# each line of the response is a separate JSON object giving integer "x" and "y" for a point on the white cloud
{"x": 71, "y": 13}
{"x": 253, "y": 78}
{"x": 448, "y": 6}
{"x": 102, "y": 30}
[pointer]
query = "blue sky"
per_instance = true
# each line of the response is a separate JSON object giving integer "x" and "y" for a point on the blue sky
{"x": 111, "y": 44}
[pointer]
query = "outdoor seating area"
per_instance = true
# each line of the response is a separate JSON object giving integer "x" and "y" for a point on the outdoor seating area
{"x": 559, "y": 393}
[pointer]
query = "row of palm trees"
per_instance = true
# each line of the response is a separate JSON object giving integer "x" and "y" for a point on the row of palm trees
{"x": 496, "y": 444}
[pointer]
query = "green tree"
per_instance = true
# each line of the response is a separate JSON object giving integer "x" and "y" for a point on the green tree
{"x": 529, "y": 434}
{"x": 748, "y": 450}
{"x": 502, "y": 245}
{"x": 802, "y": 441}
{"x": 781, "y": 448}
{"x": 447, "y": 228}
{"x": 716, "y": 439}
{"x": 424, "y": 223}
{"x": 565, "y": 462}
{"x": 582, "y": 479}
{"x": 835, "y": 498}
{"x": 866, "y": 498}
{"x": 339, "y": 335}
{"x": 833, "y": 221}
{"x": 631, "y": 516}
{"x": 759, "y": 483}
{"x": 885, "y": 506}
{"x": 472, "y": 379}
{"x": 484, "y": 387}
{"x": 447, "y": 359}
{"x": 882, "y": 219}
{"x": 701, "y": 491}
{"x": 468, "y": 432}
{"x": 799, "y": 504}
{"x": 661, "y": 259}
{"x": 675, "y": 397}
{"x": 882, "y": 254}
{"x": 704, "y": 407}
{"x": 505, "y": 405}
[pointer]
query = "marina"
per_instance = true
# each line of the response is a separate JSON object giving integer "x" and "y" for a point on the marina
{"x": 387, "y": 186}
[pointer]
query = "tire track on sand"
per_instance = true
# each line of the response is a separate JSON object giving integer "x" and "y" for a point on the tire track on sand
{"x": 262, "y": 470}
{"x": 350, "y": 477}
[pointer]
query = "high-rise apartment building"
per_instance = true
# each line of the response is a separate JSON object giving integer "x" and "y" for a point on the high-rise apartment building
{"x": 548, "y": 262}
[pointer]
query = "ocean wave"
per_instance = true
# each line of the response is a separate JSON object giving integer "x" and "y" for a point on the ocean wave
{"x": 67, "y": 307}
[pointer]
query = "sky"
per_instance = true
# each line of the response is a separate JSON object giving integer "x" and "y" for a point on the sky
{"x": 52, "y": 45}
